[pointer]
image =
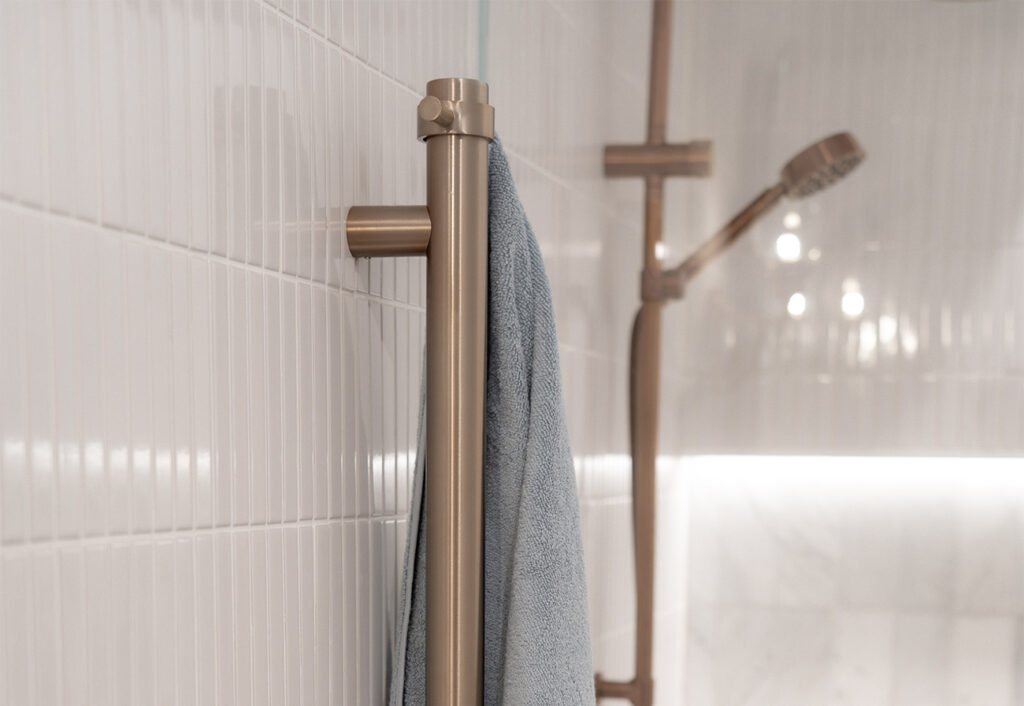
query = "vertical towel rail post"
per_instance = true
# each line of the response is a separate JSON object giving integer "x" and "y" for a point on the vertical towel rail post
{"x": 457, "y": 123}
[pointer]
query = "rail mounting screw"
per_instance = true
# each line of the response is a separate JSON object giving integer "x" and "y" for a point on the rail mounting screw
{"x": 435, "y": 110}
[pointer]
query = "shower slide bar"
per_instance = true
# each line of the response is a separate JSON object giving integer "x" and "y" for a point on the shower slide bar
{"x": 457, "y": 123}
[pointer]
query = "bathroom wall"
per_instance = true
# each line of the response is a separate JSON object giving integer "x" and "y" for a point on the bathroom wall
{"x": 207, "y": 408}
{"x": 854, "y": 531}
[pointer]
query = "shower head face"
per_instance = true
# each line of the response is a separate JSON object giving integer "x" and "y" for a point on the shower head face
{"x": 820, "y": 165}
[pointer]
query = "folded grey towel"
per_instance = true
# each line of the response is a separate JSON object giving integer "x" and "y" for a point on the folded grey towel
{"x": 536, "y": 629}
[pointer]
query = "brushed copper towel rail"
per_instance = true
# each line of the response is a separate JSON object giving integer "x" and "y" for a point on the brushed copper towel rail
{"x": 457, "y": 123}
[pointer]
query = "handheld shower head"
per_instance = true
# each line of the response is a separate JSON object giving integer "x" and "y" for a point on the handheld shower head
{"x": 823, "y": 163}
{"x": 820, "y": 165}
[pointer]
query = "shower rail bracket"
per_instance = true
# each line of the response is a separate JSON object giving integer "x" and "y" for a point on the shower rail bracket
{"x": 660, "y": 286}
{"x": 691, "y": 159}
{"x": 456, "y": 122}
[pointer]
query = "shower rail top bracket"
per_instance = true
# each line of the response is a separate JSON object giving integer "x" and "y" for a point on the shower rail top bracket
{"x": 456, "y": 122}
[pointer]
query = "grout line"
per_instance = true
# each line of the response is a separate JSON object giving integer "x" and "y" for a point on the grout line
{"x": 144, "y": 538}
{"x": 211, "y": 257}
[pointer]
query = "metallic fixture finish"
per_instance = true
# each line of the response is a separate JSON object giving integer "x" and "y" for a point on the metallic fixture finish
{"x": 387, "y": 230}
{"x": 456, "y": 348}
{"x": 457, "y": 124}
{"x": 653, "y": 161}
{"x": 690, "y": 159}
{"x": 815, "y": 168}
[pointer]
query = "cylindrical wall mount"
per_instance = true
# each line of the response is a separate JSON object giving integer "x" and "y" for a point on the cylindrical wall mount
{"x": 387, "y": 230}
{"x": 457, "y": 123}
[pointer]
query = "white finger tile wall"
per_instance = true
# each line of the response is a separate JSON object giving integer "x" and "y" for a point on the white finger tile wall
{"x": 205, "y": 404}
{"x": 207, "y": 408}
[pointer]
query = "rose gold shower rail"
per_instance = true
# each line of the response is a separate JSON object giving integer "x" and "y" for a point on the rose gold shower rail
{"x": 653, "y": 161}
{"x": 457, "y": 123}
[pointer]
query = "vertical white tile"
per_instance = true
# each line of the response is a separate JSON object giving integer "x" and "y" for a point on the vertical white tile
{"x": 39, "y": 341}
{"x": 59, "y": 85}
{"x": 289, "y": 151}
{"x": 24, "y": 177}
{"x": 224, "y": 618}
{"x": 336, "y": 615}
{"x": 377, "y": 644}
{"x": 389, "y": 412}
{"x": 273, "y": 121}
{"x": 122, "y": 641}
{"x": 140, "y": 387}
{"x": 202, "y": 353}
{"x": 185, "y": 603}
{"x": 321, "y": 614}
{"x": 161, "y": 347}
{"x": 306, "y": 410}
{"x": 275, "y": 418}
{"x": 18, "y": 637}
{"x": 337, "y": 246}
{"x": 320, "y": 404}
{"x": 351, "y": 614}
{"x": 292, "y": 617}
{"x": 373, "y": 403}
{"x": 175, "y": 20}
{"x": 335, "y": 400}
{"x": 255, "y": 131}
{"x": 221, "y": 458}
{"x": 50, "y": 666}
{"x": 289, "y": 404}
{"x": 366, "y": 644}
{"x": 235, "y": 101}
{"x": 14, "y": 505}
{"x": 238, "y": 364}
{"x": 306, "y": 615}
{"x": 350, "y": 463}
{"x": 206, "y": 620}
{"x": 257, "y": 386}
{"x": 182, "y": 447}
{"x": 243, "y": 619}
{"x": 199, "y": 126}
{"x": 154, "y": 114}
{"x": 304, "y": 156}
{"x": 319, "y": 92}
{"x": 141, "y": 620}
{"x": 99, "y": 612}
{"x": 165, "y": 622}
{"x": 218, "y": 117}
{"x": 275, "y": 616}
{"x": 261, "y": 633}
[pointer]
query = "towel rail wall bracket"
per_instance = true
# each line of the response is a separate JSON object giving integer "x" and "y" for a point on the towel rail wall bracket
{"x": 457, "y": 123}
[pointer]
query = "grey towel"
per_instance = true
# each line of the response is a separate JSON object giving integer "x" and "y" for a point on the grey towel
{"x": 536, "y": 629}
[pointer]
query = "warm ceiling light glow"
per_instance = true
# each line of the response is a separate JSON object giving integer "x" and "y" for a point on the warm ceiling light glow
{"x": 791, "y": 220}
{"x": 853, "y": 304}
{"x": 797, "y": 305}
{"x": 660, "y": 250}
{"x": 787, "y": 247}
